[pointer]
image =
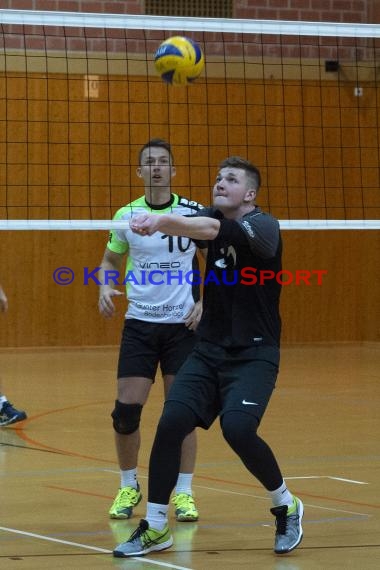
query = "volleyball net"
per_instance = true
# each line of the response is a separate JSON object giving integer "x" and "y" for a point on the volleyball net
{"x": 79, "y": 96}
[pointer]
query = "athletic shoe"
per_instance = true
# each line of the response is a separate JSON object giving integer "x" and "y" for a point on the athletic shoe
{"x": 186, "y": 510}
{"x": 125, "y": 500}
{"x": 9, "y": 415}
{"x": 144, "y": 540}
{"x": 288, "y": 526}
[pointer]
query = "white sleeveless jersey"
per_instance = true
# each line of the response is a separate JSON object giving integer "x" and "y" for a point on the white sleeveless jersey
{"x": 162, "y": 272}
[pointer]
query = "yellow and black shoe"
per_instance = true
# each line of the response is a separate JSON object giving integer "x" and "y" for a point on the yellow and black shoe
{"x": 126, "y": 499}
{"x": 185, "y": 509}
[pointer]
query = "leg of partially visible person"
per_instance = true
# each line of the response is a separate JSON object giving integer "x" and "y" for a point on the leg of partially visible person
{"x": 240, "y": 419}
{"x": 8, "y": 413}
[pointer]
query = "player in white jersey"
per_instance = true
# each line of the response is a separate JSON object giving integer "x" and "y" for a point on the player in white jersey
{"x": 159, "y": 275}
{"x": 164, "y": 309}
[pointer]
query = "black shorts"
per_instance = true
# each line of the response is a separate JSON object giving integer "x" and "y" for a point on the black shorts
{"x": 146, "y": 345}
{"x": 214, "y": 380}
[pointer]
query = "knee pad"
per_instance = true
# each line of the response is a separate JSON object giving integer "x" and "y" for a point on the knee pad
{"x": 126, "y": 417}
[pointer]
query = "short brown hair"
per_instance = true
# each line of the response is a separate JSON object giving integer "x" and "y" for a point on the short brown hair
{"x": 160, "y": 143}
{"x": 253, "y": 173}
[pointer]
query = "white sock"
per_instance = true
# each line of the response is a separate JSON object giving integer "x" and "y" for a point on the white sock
{"x": 157, "y": 515}
{"x": 128, "y": 478}
{"x": 2, "y": 401}
{"x": 281, "y": 496}
{"x": 184, "y": 483}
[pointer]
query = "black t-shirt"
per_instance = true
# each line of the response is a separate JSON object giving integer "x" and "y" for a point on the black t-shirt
{"x": 241, "y": 295}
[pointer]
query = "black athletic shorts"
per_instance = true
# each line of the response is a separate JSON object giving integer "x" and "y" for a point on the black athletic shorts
{"x": 146, "y": 345}
{"x": 214, "y": 380}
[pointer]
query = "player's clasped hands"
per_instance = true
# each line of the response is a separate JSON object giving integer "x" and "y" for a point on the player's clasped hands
{"x": 145, "y": 224}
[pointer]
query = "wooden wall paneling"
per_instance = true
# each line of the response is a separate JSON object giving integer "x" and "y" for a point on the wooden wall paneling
{"x": 99, "y": 176}
{"x": 17, "y": 91}
{"x": 43, "y": 313}
{"x": 345, "y": 305}
{"x": 138, "y": 91}
{"x": 371, "y": 197}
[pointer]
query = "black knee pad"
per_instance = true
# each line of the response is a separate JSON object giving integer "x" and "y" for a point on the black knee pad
{"x": 126, "y": 417}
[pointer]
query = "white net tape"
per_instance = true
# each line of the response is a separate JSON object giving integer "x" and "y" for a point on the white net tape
{"x": 220, "y": 25}
{"x": 118, "y": 225}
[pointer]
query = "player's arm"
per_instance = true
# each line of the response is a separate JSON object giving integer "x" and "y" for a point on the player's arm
{"x": 201, "y": 228}
{"x": 111, "y": 265}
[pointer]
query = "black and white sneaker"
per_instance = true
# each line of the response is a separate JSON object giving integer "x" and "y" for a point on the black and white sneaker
{"x": 9, "y": 414}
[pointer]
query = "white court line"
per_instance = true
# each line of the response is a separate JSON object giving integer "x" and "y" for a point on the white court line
{"x": 338, "y": 510}
{"x": 349, "y": 480}
{"x": 267, "y": 499}
{"x": 50, "y": 539}
{"x": 88, "y": 547}
{"x": 330, "y": 477}
{"x": 301, "y": 477}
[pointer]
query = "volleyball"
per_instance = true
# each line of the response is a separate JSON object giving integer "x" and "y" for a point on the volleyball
{"x": 179, "y": 60}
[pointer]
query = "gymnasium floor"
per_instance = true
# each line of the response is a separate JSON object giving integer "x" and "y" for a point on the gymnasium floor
{"x": 59, "y": 474}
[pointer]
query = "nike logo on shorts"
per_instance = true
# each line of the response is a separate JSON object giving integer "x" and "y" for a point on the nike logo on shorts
{"x": 249, "y": 403}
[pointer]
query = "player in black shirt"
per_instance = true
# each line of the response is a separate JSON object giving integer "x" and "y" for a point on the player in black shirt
{"x": 237, "y": 312}
{"x": 232, "y": 370}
